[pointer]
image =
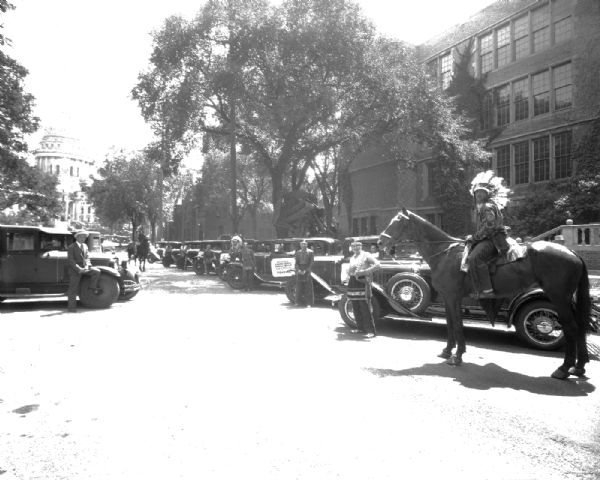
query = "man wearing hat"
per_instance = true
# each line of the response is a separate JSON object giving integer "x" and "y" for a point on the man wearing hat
{"x": 305, "y": 257}
{"x": 79, "y": 264}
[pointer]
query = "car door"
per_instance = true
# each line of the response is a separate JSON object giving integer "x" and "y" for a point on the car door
{"x": 18, "y": 262}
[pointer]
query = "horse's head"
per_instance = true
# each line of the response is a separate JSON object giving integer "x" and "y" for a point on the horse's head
{"x": 396, "y": 229}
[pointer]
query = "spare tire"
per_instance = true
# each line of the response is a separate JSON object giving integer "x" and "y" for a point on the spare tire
{"x": 108, "y": 294}
{"x": 410, "y": 290}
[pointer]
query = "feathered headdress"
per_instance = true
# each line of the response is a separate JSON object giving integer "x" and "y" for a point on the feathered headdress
{"x": 492, "y": 184}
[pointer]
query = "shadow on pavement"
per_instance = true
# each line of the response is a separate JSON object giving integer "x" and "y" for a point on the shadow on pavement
{"x": 485, "y": 377}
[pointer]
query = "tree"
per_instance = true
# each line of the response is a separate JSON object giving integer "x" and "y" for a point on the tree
{"x": 20, "y": 184}
{"x": 253, "y": 186}
{"x": 307, "y": 77}
{"x": 126, "y": 189}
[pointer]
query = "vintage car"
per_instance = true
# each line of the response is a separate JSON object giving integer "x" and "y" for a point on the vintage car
{"x": 217, "y": 247}
{"x": 168, "y": 251}
{"x": 33, "y": 262}
{"x": 403, "y": 288}
{"x": 275, "y": 261}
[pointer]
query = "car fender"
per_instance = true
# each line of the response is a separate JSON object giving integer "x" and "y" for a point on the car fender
{"x": 109, "y": 271}
{"x": 521, "y": 299}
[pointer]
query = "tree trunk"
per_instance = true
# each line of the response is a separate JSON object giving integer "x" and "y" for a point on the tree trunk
{"x": 277, "y": 199}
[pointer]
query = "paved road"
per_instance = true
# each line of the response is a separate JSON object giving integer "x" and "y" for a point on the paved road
{"x": 191, "y": 380}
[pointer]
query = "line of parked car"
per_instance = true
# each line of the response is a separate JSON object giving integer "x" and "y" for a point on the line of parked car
{"x": 402, "y": 288}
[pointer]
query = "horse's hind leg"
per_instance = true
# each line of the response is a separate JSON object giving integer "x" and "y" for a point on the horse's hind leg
{"x": 583, "y": 356}
{"x": 569, "y": 327}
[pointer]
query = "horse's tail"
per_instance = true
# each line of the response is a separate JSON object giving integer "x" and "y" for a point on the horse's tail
{"x": 583, "y": 302}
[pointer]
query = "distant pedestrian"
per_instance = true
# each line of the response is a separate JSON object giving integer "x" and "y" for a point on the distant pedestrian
{"x": 305, "y": 296}
{"x": 362, "y": 266}
{"x": 248, "y": 265}
{"x": 208, "y": 259}
{"x": 79, "y": 264}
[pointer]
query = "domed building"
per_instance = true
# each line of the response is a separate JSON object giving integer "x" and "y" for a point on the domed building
{"x": 63, "y": 156}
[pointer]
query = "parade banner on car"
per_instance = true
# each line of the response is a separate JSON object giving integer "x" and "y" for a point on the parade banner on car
{"x": 283, "y": 267}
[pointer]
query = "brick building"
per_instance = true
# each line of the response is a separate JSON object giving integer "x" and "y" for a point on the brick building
{"x": 540, "y": 62}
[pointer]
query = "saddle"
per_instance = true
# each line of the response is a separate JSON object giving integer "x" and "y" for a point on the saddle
{"x": 509, "y": 250}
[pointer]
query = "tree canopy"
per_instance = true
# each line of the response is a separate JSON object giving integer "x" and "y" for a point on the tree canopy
{"x": 293, "y": 81}
{"x": 20, "y": 184}
{"x": 125, "y": 190}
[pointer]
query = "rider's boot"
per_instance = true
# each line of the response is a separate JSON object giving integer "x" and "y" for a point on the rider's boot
{"x": 482, "y": 285}
{"x": 485, "y": 289}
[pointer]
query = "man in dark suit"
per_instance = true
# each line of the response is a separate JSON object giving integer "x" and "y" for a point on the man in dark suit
{"x": 305, "y": 296}
{"x": 79, "y": 264}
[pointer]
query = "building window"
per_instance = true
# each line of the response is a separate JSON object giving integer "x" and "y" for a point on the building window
{"x": 488, "y": 111}
{"x": 521, "y": 98}
{"x": 502, "y": 105}
{"x": 433, "y": 173}
{"x": 540, "y": 26}
{"x": 541, "y": 94}
{"x": 373, "y": 225}
{"x": 446, "y": 70}
{"x": 56, "y": 169}
{"x": 541, "y": 159}
{"x": 563, "y": 95}
{"x": 432, "y": 70}
{"x": 562, "y": 155}
{"x": 486, "y": 53}
{"x": 503, "y": 163}
{"x": 563, "y": 30}
{"x": 77, "y": 171}
{"x": 521, "y": 154}
{"x": 503, "y": 49}
{"x": 364, "y": 228}
{"x": 521, "y": 37}
{"x": 355, "y": 230}
{"x": 71, "y": 171}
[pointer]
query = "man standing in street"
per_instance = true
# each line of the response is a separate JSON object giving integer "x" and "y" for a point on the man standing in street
{"x": 79, "y": 264}
{"x": 248, "y": 265}
{"x": 361, "y": 269}
{"x": 304, "y": 257}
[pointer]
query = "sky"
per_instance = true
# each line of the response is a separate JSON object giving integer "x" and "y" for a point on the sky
{"x": 84, "y": 56}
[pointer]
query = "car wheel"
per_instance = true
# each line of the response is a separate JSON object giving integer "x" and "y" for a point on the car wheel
{"x": 222, "y": 271}
{"x": 290, "y": 290}
{"x": 409, "y": 290}
{"x": 347, "y": 314}
{"x": 537, "y": 325}
{"x": 109, "y": 292}
{"x": 234, "y": 278}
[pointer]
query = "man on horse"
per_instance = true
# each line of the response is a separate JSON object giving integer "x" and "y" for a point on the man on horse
{"x": 490, "y": 233}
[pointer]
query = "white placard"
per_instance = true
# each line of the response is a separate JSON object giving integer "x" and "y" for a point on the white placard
{"x": 283, "y": 267}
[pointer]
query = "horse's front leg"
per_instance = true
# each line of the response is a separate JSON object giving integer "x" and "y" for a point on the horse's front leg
{"x": 454, "y": 319}
{"x": 451, "y": 341}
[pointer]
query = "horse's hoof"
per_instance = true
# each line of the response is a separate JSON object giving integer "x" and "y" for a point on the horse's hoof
{"x": 445, "y": 354}
{"x": 454, "y": 360}
{"x": 560, "y": 374}
{"x": 579, "y": 372}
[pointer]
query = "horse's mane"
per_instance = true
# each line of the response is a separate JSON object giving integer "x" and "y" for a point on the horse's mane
{"x": 438, "y": 231}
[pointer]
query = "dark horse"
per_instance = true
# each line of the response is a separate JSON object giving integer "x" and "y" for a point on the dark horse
{"x": 141, "y": 252}
{"x": 557, "y": 270}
